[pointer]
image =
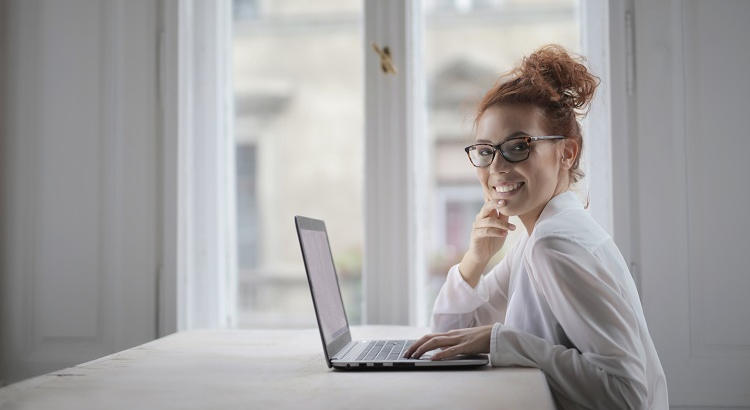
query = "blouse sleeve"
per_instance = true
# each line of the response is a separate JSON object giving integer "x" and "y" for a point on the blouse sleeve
{"x": 606, "y": 368}
{"x": 458, "y": 305}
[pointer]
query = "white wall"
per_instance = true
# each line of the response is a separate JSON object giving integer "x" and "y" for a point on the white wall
{"x": 80, "y": 241}
{"x": 689, "y": 194}
{"x": 3, "y": 52}
{"x": 116, "y": 216}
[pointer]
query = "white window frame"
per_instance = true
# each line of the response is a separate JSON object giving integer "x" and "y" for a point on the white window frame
{"x": 607, "y": 40}
{"x": 197, "y": 276}
{"x": 395, "y": 166}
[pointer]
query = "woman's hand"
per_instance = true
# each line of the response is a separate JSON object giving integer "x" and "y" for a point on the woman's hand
{"x": 460, "y": 341}
{"x": 487, "y": 237}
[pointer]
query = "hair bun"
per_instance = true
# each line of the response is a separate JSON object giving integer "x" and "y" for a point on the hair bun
{"x": 562, "y": 76}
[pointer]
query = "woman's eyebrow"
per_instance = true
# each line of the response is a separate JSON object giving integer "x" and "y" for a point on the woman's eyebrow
{"x": 512, "y": 135}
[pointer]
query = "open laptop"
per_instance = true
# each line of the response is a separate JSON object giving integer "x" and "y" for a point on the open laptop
{"x": 340, "y": 350}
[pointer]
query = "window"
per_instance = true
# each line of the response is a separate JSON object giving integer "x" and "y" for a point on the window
{"x": 300, "y": 107}
{"x": 299, "y": 134}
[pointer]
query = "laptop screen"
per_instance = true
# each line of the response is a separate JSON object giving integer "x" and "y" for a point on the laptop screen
{"x": 322, "y": 276}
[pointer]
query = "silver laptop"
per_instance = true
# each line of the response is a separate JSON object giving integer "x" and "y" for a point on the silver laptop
{"x": 340, "y": 350}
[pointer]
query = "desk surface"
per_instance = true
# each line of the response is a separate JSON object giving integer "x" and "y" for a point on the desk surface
{"x": 268, "y": 369}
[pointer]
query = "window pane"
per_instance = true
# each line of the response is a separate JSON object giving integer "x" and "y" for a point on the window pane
{"x": 468, "y": 44}
{"x": 299, "y": 131}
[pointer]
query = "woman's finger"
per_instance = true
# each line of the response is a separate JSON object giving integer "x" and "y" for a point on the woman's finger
{"x": 426, "y": 347}
{"x": 432, "y": 344}
{"x": 493, "y": 232}
{"x": 418, "y": 343}
{"x": 449, "y": 352}
{"x": 490, "y": 208}
{"x": 495, "y": 223}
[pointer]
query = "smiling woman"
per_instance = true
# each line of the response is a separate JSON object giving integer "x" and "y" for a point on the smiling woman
{"x": 466, "y": 45}
{"x": 562, "y": 299}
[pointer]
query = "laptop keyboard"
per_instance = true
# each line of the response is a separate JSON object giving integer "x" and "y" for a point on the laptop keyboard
{"x": 385, "y": 350}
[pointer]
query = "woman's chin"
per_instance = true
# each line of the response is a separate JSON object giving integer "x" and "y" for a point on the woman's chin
{"x": 512, "y": 207}
{"x": 508, "y": 211}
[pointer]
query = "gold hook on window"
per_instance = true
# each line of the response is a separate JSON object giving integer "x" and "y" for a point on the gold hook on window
{"x": 386, "y": 62}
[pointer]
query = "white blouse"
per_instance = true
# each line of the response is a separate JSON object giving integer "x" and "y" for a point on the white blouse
{"x": 563, "y": 300}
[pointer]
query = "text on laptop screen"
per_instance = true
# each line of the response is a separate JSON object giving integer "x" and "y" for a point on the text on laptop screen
{"x": 324, "y": 284}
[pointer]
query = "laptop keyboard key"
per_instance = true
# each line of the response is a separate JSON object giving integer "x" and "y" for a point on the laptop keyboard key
{"x": 373, "y": 353}
{"x": 384, "y": 353}
{"x": 385, "y": 350}
{"x": 366, "y": 350}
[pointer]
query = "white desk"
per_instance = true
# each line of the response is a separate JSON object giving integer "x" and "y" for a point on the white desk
{"x": 267, "y": 369}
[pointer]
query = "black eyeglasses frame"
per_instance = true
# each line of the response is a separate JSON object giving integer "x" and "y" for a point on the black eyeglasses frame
{"x": 496, "y": 148}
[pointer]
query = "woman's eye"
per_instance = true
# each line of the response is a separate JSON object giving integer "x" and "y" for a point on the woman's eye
{"x": 519, "y": 147}
{"x": 485, "y": 152}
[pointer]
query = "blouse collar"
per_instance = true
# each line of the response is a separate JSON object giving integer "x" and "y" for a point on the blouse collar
{"x": 558, "y": 203}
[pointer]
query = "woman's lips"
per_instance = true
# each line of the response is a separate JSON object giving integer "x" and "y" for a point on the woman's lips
{"x": 506, "y": 195}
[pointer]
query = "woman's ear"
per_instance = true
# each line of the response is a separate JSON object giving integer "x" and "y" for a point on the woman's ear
{"x": 569, "y": 152}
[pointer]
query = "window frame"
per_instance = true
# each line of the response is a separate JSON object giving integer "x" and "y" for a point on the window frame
{"x": 607, "y": 31}
{"x": 394, "y": 258}
{"x": 197, "y": 271}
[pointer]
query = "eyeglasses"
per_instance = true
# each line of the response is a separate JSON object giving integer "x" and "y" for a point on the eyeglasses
{"x": 514, "y": 149}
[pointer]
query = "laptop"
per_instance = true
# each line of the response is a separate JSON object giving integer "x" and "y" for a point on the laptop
{"x": 340, "y": 350}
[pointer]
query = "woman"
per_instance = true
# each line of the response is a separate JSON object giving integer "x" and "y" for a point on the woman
{"x": 562, "y": 299}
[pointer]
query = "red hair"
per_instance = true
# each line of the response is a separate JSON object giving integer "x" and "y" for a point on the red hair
{"x": 555, "y": 81}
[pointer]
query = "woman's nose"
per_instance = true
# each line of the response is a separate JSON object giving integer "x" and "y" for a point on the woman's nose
{"x": 500, "y": 164}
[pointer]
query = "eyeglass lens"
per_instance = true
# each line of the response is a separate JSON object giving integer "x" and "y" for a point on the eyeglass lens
{"x": 513, "y": 151}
